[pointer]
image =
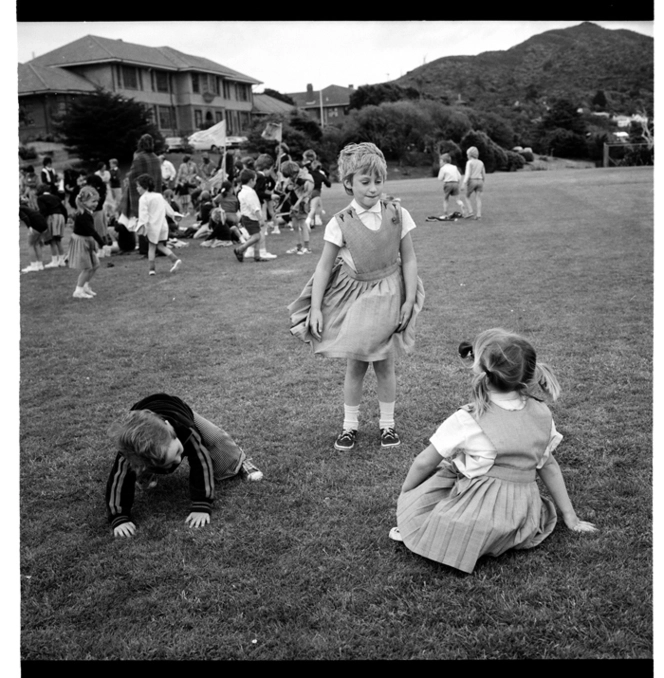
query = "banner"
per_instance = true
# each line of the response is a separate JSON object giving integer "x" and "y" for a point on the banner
{"x": 272, "y": 131}
{"x": 215, "y": 134}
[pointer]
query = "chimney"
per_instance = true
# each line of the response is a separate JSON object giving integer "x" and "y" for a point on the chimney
{"x": 310, "y": 90}
{"x": 351, "y": 87}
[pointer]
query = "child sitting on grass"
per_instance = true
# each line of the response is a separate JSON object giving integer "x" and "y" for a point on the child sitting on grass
{"x": 153, "y": 439}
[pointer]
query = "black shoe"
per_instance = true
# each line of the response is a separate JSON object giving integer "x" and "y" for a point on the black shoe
{"x": 346, "y": 441}
{"x": 239, "y": 255}
{"x": 389, "y": 438}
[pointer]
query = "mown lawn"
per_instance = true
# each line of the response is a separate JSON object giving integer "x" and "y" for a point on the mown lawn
{"x": 299, "y": 566}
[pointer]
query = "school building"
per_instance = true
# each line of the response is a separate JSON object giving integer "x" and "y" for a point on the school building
{"x": 183, "y": 93}
{"x": 328, "y": 105}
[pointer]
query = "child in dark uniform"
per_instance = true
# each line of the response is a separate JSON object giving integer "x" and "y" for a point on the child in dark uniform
{"x": 159, "y": 431}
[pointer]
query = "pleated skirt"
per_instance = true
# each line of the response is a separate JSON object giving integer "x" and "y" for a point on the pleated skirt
{"x": 360, "y": 315}
{"x": 56, "y": 225}
{"x": 82, "y": 253}
{"x": 455, "y": 520}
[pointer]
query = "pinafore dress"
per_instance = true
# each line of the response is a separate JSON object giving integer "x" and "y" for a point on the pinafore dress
{"x": 361, "y": 308}
{"x": 454, "y": 520}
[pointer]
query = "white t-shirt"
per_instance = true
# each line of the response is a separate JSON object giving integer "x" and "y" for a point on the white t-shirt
{"x": 250, "y": 205}
{"x": 461, "y": 435}
{"x": 372, "y": 219}
{"x": 449, "y": 172}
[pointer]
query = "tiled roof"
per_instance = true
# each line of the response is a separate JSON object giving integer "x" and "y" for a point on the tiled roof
{"x": 333, "y": 95}
{"x": 264, "y": 104}
{"x": 95, "y": 49}
{"x": 33, "y": 79}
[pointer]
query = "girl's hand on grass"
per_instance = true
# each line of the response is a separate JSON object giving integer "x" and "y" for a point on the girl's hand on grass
{"x": 125, "y": 530}
{"x": 316, "y": 324}
{"x": 575, "y": 524}
{"x": 197, "y": 519}
{"x": 405, "y": 315}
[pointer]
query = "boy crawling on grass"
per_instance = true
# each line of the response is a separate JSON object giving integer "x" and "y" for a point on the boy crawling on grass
{"x": 153, "y": 439}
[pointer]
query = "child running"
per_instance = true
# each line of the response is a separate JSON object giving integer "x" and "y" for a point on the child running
{"x": 472, "y": 491}
{"x": 299, "y": 186}
{"x": 152, "y": 211}
{"x": 153, "y": 438}
{"x": 84, "y": 242}
{"x": 450, "y": 176}
{"x": 363, "y": 299}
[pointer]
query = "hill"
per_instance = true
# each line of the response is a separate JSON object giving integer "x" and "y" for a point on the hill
{"x": 572, "y": 63}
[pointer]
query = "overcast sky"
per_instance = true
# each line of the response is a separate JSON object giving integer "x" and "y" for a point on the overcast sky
{"x": 288, "y": 55}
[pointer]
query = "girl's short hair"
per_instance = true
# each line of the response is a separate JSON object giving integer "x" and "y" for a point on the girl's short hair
{"x": 473, "y": 152}
{"x": 504, "y": 361}
{"x": 290, "y": 169}
{"x": 85, "y": 194}
{"x": 146, "y": 182}
{"x": 143, "y": 439}
{"x": 445, "y": 158}
{"x": 169, "y": 194}
{"x": 309, "y": 155}
{"x": 364, "y": 157}
{"x": 113, "y": 160}
{"x": 186, "y": 158}
{"x": 217, "y": 214}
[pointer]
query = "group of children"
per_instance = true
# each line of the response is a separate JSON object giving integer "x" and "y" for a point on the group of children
{"x": 472, "y": 491}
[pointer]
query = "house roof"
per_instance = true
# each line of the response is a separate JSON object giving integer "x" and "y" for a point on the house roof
{"x": 92, "y": 49}
{"x": 34, "y": 79}
{"x": 333, "y": 95}
{"x": 264, "y": 104}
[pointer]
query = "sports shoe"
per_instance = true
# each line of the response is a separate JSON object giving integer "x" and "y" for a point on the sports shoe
{"x": 55, "y": 263}
{"x": 81, "y": 294}
{"x": 176, "y": 265}
{"x": 389, "y": 438}
{"x": 207, "y": 243}
{"x": 395, "y": 535}
{"x": 152, "y": 273}
{"x": 250, "y": 471}
{"x": 276, "y": 231}
{"x": 294, "y": 250}
{"x": 305, "y": 250}
{"x": 346, "y": 441}
{"x": 86, "y": 288}
{"x": 238, "y": 255}
{"x": 268, "y": 255}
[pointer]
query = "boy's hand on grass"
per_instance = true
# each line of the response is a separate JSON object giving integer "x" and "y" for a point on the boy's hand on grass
{"x": 125, "y": 530}
{"x": 196, "y": 519}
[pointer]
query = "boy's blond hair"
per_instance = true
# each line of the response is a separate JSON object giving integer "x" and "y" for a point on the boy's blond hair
{"x": 143, "y": 439}
{"x": 365, "y": 157}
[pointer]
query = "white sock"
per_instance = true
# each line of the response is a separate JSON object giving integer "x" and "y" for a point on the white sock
{"x": 386, "y": 415}
{"x": 351, "y": 417}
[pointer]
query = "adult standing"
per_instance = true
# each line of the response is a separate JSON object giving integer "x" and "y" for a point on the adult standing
{"x": 145, "y": 162}
{"x": 168, "y": 172}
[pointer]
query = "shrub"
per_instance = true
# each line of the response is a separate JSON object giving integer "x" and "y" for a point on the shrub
{"x": 515, "y": 161}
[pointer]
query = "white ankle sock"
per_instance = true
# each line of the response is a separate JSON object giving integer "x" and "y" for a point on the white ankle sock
{"x": 386, "y": 415}
{"x": 351, "y": 417}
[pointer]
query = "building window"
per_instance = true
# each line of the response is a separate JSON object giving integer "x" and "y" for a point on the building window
{"x": 166, "y": 117}
{"x": 218, "y": 116}
{"x": 195, "y": 84}
{"x": 227, "y": 90}
{"x": 198, "y": 118}
{"x": 161, "y": 81}
{"x": 333, "y": 113}
{"x": 214, "y": 84}
{"x": 242, "y": 92}
{"x": 130, "y": 77}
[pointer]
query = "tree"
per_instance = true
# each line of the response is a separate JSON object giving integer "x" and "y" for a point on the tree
{"x": 104, "y": 125}
{"x": 599, "y": 100}
{"x": 563, "y": 114}
{"x": 374, "y": 95}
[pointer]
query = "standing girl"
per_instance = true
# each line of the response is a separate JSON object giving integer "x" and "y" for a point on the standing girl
{"x": 473, "y": 181}
{"x": 84, "y": 242}
{"x": 152, "y": 211}
{"x": 299, "y": 186}
{"x": 472, "y": 492}
{"x": 363, "y": 299}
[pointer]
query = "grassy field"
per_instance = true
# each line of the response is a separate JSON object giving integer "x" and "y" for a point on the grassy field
{"x": 299, "y": 566}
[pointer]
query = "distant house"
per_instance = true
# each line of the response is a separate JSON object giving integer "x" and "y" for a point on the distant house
{"x": 328, "y": 105}
{"x": 265, "y": 105}
{"x": 183, "y": 93}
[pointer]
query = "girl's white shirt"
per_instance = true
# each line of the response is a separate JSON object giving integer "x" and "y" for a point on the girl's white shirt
{"x": 372, "y": 219}
{"x": 152, "y": 209}
{"x": 462, "y": 436}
